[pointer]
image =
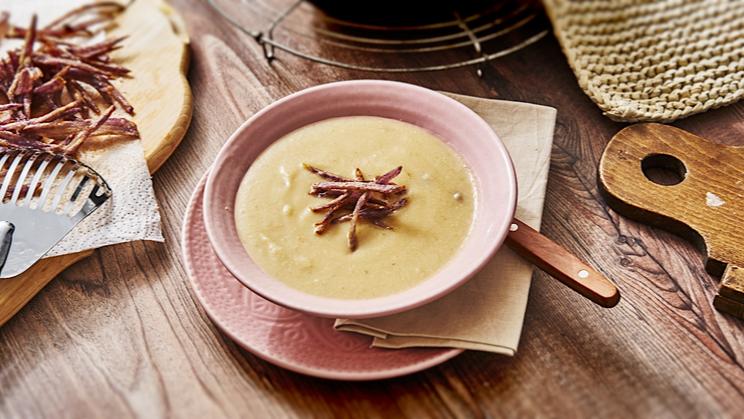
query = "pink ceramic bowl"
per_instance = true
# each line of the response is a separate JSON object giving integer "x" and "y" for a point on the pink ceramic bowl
{"x": 461, "y": 128}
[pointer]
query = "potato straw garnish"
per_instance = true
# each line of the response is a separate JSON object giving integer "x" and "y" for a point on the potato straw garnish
{"x": 356, "y": 199}
{"x": 50, "y": 86}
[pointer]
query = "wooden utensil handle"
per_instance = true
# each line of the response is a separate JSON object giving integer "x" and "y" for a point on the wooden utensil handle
{"x": 561, "y": 264}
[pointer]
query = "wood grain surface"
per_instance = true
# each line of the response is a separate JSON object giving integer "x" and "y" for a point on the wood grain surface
{"x": 156, "y": 52}
{"x": 120, "y": 334}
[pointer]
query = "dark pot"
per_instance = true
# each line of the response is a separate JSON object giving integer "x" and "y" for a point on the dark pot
{"x": 400, "y": 12}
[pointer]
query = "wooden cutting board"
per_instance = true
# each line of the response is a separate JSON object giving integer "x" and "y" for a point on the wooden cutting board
{"x": 706, "y": 206}
{"x": 157, "y": 53}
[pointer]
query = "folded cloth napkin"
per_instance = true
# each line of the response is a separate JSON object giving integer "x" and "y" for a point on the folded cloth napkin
{"x": 487, "y": 312}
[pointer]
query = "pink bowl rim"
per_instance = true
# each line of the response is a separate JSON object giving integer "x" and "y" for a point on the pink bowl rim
{"x": 228, "y": 248}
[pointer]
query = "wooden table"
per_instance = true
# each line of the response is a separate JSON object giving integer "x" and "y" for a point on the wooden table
{"x": 121, "y": 334}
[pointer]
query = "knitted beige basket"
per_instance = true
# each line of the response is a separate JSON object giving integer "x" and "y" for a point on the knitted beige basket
{"x": 646, "y": 60}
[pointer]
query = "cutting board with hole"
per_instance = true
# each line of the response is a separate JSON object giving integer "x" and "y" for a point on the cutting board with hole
{"x": 701, "y": 198}
{"x": 157, "y": 51}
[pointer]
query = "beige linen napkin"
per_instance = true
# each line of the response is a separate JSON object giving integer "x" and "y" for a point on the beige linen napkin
{"x": 487, "y": 312}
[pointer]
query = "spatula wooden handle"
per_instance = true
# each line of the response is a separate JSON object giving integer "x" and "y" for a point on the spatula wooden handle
{"x": 561, "y": 264}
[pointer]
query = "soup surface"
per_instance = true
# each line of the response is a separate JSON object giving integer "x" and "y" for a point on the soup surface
{"x": 276, "y": 226}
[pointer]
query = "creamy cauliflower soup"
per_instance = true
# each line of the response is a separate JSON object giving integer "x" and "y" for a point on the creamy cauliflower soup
{"x": 355, "y": 207}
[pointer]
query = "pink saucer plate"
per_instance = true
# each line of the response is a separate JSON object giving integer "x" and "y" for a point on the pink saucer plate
{"x": 457, "y": 125}
{"x": 289, "y": 339}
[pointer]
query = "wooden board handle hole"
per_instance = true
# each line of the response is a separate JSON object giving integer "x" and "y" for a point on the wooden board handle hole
{"x": 663, "y": 169}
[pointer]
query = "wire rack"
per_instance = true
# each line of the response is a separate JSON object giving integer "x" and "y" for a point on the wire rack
{"x": 441, "y": 38}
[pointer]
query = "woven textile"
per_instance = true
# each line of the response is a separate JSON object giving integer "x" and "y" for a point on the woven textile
{"x": 645, "y": 60}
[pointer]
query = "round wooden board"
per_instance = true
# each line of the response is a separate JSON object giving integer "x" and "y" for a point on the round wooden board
{"x": 158, "y": 55}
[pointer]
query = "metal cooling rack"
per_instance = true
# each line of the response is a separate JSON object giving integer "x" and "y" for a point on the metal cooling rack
{"x": 454, "y": 39}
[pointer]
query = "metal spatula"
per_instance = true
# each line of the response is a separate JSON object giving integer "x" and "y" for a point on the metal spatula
{"x": 44, "y": 196}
